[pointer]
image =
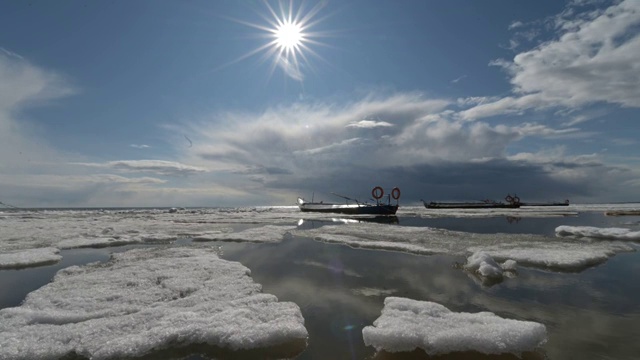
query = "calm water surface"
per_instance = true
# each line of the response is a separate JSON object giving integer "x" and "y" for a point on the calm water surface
{"x": 593, "y": 314}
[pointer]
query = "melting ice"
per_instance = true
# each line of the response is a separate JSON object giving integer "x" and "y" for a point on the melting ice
{"x": 145, "y": 300}
{"x": 407, "y": 324}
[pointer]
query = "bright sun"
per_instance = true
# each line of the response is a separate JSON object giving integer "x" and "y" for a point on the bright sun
{"x": 289, "y": 36}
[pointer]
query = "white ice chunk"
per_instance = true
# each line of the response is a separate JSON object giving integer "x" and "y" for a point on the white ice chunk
{"x": 406, "y": 324}
{"x": 146, "y": 300}
{"x": 509, "y": 265}
{"x": 32, "y": 257}
{"x": 268, "y": 233}
{"x": 598, "y": 233}
{"x": 566, "y": 256}
{"x": 484, "y": 265}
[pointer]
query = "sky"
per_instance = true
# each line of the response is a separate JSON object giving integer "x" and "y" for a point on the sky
{"x": 250, "y": 103}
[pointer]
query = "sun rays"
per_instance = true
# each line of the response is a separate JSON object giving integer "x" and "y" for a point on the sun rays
{"x": 289, "y": 38}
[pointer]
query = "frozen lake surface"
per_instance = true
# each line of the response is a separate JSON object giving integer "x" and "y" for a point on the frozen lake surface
{"x": 271, "y": 282}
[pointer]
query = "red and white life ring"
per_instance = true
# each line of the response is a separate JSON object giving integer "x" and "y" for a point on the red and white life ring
{"x": 377, "y": 193}
{"x": 395, "y": 193}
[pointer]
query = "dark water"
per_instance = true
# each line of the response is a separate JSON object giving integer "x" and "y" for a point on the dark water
{"x": 593, "y": 314}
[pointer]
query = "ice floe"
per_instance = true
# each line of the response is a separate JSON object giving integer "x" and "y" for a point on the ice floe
{"x": 146, "y": 300}
{"x": 598, "y": 233}
{"x": 528, "y": 250}
{"x": 31, "y": 257}
{"x": 407, "y": 324}
{"x": 267, "y": 233}
{"x": 99, "y": 228}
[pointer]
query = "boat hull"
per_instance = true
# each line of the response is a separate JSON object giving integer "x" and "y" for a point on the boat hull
{"x": 349, "y": 209}
{"x": 439, "y": 205}
{"x": 546, "y": 204}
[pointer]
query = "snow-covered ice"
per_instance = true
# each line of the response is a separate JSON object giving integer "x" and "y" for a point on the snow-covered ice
{"x": 527, "y": 250}
{"x": 407, "y": 324}
{"x": 598, "y": 233}
{"x": 267, "y": 233}
{"x": 146, "y": 300}
{"x": 31, "y": 257}
{"x": 64, "y": 229}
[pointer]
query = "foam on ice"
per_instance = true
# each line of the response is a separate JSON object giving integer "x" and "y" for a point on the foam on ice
{"x": 144, "y": 300}
{"x": 407, "y": 324}
{"x": 598, "y": 233}
{"x": 31, "y": 257}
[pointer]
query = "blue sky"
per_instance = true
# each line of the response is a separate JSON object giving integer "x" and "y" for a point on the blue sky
{"x": 199, "y": 103}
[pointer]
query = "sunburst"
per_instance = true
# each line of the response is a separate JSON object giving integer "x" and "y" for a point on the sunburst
{"x": 288, "y": 37}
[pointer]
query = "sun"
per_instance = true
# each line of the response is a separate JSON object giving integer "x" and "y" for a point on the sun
{"x": 289, "y": 36}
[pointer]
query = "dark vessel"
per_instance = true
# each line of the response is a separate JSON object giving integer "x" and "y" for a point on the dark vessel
{"x": 470, "y": 205}
{"x": 356, "y": 207}
{"x": 512, "y": 202}
{"x": 565, "y": 203}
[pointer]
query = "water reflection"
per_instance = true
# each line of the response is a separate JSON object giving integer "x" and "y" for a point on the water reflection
{"x": 315, "y": 223}
{"x": 467, "y": 355}
{"x": 284, "y": 351}
{"x": 513, "y": 219}
{"x": 340, "y": 290}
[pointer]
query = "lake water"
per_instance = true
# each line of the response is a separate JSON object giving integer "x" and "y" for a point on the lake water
{"x": 590, "y": 313}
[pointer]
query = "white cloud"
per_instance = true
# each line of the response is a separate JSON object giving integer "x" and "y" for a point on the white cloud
{"x": 23, "y": 84}
{"x": 142, "y": 146}
{"x": 515, "y": 25}
{"x": 456, "y": 80}
{"x": 74, "y": 181}
{"x": 368, "y": 124}
{"x": 11, "y": 53}
{"x": 160, "y": 167}
{"x": 418, "y": 131}
{"x": 593, "y": 59}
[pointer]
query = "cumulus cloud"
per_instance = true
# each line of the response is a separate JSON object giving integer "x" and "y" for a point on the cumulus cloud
{"x": 593, "y": 59}
{"x": 312, "y": 147}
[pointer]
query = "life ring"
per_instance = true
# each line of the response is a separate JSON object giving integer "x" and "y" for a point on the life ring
{"x": 395, "y": 193}
{"x": 516, "y": 199}
{"x": 377, "y": 190}
{"x": 509, "y": 198}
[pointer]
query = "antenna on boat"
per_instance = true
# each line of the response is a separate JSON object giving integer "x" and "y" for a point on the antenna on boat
{"x": 346, "y": 197}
